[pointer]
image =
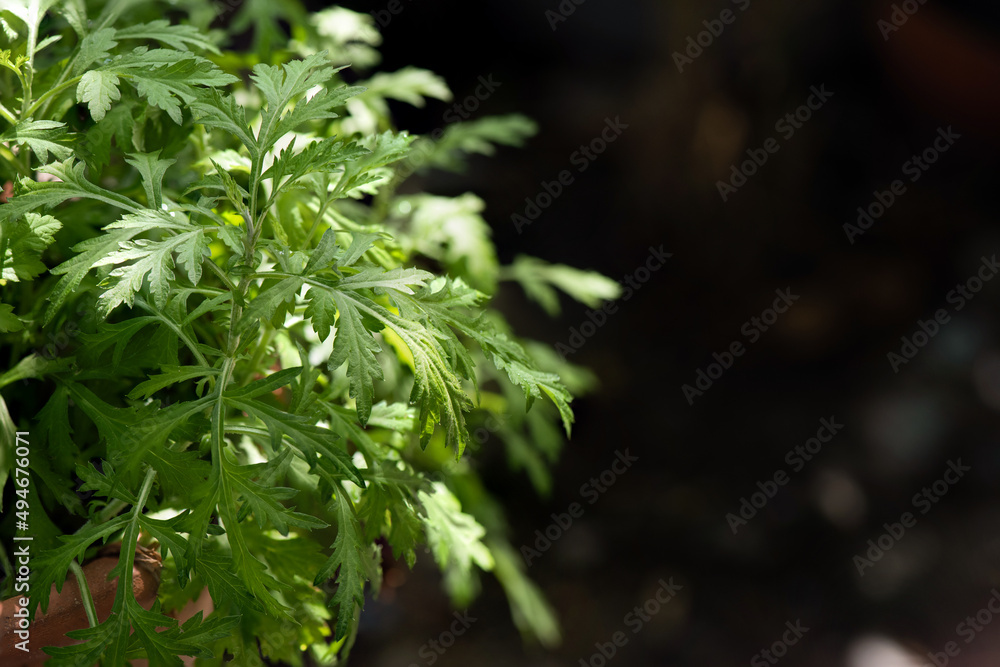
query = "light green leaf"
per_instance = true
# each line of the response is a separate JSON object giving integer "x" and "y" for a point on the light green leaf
{"x": 42, "y": 137}
{"x": 152, "y": 169}
{"x": 98, "y": 89}
{"x": 538, "y": 277}
{"x": 22, "y": 243}
{"x": 354, "y": 562}
{"x": 455, "y": 539}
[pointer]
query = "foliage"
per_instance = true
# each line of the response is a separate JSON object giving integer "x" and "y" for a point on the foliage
{"x": 253, "y": 353}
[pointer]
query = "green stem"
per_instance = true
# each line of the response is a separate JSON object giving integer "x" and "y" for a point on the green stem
{"x": 7, "y": 115}
{"x": 59, "y": 86}
{"x": 111, "y": 510}
{"x": 214, "y": 268}
{"x": 258, "y": 355}
{"x": 317, "y": 220}
{"x": 176, "y": 329}
{"x": 85, "y": 596}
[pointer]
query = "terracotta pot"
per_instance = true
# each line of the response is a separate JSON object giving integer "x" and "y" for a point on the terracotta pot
{"x": 66, "y": 612}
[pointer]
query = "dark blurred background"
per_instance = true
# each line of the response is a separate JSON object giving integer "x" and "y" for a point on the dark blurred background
{"x": 826, "y": 357}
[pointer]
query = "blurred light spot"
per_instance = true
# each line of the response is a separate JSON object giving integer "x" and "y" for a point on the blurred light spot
{"x": 880, "y": 652}
{"x": 903, "y": 429}
{"x": 840, "y": 498}
{"x": 719, "y": 136}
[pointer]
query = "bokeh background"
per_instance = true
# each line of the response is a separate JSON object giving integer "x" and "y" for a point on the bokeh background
{"x": 826, "y": 357}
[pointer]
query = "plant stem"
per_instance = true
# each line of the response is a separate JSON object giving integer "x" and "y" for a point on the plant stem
{"x": 85, "y": 596}
{"x": 7, "y": 115}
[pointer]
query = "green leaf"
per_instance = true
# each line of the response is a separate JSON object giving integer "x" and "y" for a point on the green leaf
{"x": 54, "y": 430}
{"x": 455, "y": 539}
{"x": 266, "y": 385}
{"x": 263, "y": 501}
{"x": 214, "y": 109}
{"x": 93, "y": 47}
{"x": 353, "y": 562}
{"x": 50, "y": 567}
{"x": 355, "y": 345}
{"x": 152, "y": 260}
{"x": 479, "y": 136}
{"x": 538, "y": 278}
{"x": 533, "y": 615}
{"x": 322, "y": 256}
{"x": 325, "y": 155}
{"x": 322, "y": 312}
{"x": 166, "y": 78}
{"x": 170, "y": 376}
{"x": 42, "y": 137}
{"x": 453, "y": 231}
{"x": 9, "y": 322}
{"x": 265, "y": 305}
{"x": 22, "y": 243}
{"x": 399, "y": 280}
{"x": 317, "y": 445}
{"x": 152, "y": 169}
{"x": 283, "y": 85}
{"x": 98, "y": 89}
{"x": 180, "y": 37}
{"x": 69, "y": 182}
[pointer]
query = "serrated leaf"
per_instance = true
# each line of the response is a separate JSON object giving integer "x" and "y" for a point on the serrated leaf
{"x": 98, "y": 89}
{"x": 180, "y": 37}
{"x": 325, "y": 155}
{"x": 399, "y": 279}
{"x": 265, "y": 385}
{"x": 538, "y": 278}
{"x": 479, "y": 136}
{"x": 352, "y": 563}
{"x": 93, "y": 47}
{"x": 266, "y": 304}
{"x": 170, "y": 376}
{"x": 9, "y": 322}
{"x": 152, "y": 168}
{"x": 152, "y": 261}
{"x": 263, "y": 501}
{"x": 355, "y": 345}
{"x": 42, "y": 137}
{"x": 214, "y": 109}
{"x": 22, "y": 243}
{"x": 50, "y": 567}
{"x": 323, "y": 254}
{"x": 313, "y": 441}
{"x": 455, "y": 539}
